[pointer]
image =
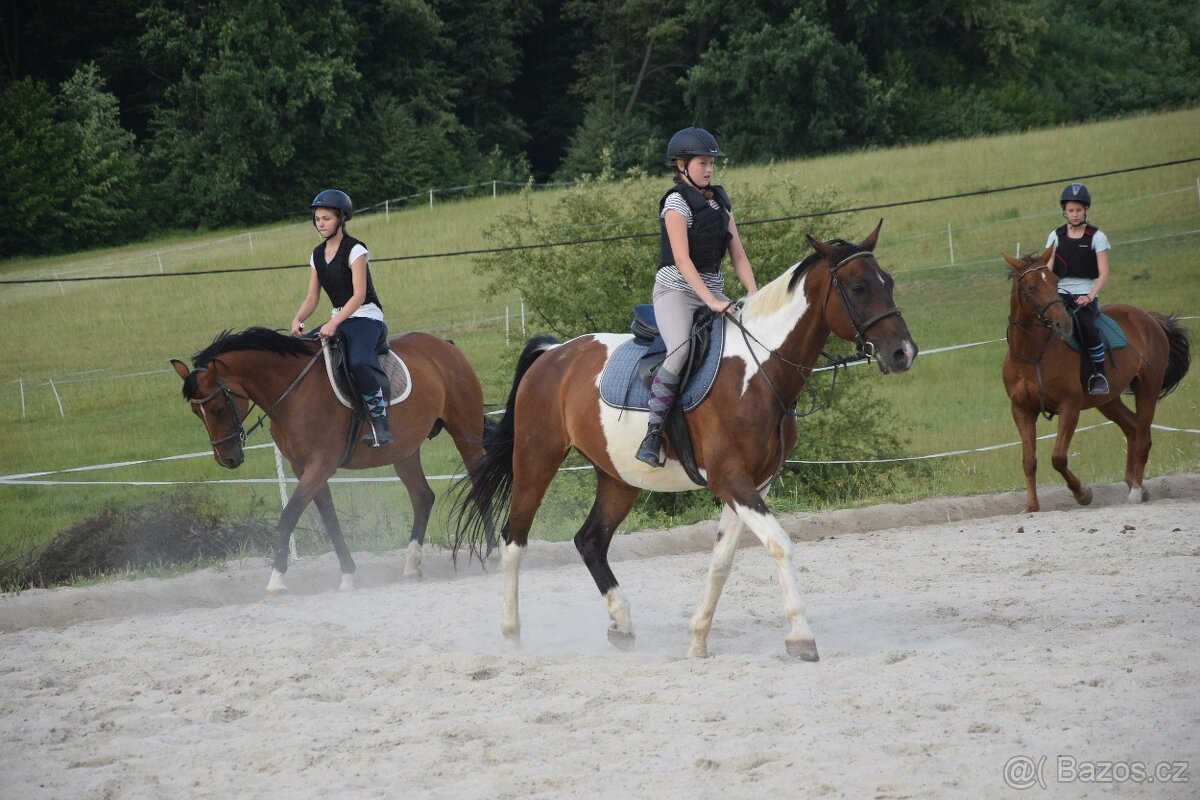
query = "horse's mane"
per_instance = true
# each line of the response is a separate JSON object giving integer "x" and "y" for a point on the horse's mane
{"x": 256, "y": 338}
{"x": 776, "y": 294}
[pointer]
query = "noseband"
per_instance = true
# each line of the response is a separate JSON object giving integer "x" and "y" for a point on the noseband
{"x": 1040, "y": 312}
{"x": 865, "y": 347}
{"x": 241, "y": 433}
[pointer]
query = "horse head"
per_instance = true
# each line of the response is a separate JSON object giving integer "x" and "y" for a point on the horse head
{"x": 1035, "y": 293}
{"x": 215, "y": 401}
{"x": 858, "y": 302}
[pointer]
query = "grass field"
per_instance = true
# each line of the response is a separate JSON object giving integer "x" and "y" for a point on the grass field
{"x": 99, "y": 349}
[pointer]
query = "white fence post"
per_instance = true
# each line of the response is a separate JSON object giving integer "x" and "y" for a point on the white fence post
{"x": 57, "y": 399}
{"x": 506, "y": 328}
{"x": 431, "y": 199}
{"x": 160, "y": 266}
{"x": 950, "y": 239}
{"x": 522, "y": 316}
{"x": 494, "y": 189}
{"x": 386, "y": 212}
{"x": 21, "y": 384}
{"x": 250, "y": 239}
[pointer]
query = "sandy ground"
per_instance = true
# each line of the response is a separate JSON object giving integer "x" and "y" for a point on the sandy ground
{"x": 963, "y": 644}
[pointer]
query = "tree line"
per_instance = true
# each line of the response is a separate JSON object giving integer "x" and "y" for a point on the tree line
{"x": 127, "y": 118}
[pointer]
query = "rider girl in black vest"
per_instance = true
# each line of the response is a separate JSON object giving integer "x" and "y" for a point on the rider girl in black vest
{"x": 339, "y": 266}
{"x": 1081, "y": 264}
{"x": 696, "y": 229}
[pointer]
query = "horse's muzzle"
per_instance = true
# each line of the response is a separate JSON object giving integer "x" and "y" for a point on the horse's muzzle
{"x": 897, "y": 360}
{"x": 229, "y": 460}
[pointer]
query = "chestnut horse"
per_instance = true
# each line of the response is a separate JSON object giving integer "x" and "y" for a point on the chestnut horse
{"x": 310, "y": 426}
{"x": 1041, "y": 374}
{"x": 741, "y": 432}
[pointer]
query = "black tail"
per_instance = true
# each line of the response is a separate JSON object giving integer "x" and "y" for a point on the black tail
{"x": 488, "y": 486}
{"x": 1180, "y": 357}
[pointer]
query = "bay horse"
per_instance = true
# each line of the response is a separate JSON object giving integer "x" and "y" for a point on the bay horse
{"x": 741, "y": 432}
{"x": 1041, "y": 374}
{"x": 310, "y": 426}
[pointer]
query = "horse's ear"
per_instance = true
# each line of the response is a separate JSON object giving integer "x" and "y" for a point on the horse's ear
{"x": 822, "y": 248}
{"x": 869, "y": 242}
{"x": 1045, "y": 256}
{"x": 180, "y": 368}
{"x": 1012, "y": 262}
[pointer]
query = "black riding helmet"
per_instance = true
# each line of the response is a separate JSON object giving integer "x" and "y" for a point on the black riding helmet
{"x": 692, "y": 142}
{"x": 337, "y": 200}
{"x": 1076, "y": 193}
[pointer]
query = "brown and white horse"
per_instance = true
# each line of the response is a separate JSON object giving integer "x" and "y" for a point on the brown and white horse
{"x": 1041, "y": 375}
{"x": 310, "y": 426}
{"x": 741, "y": 432}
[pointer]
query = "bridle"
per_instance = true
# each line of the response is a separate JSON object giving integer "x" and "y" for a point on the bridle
{"x": 1040, "y": 313}
{"x": 866, "y": 348}
{"x": 228, "y": 394}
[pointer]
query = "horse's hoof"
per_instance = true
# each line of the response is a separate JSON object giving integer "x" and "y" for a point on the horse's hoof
{"x": 620, "y": 640}
{"x": 347, "y": 584}
{"x": 413, "y": 575}
{"x": 1139, "y": 495}
{"x": 1086, "y": 500}
{"x": 698, "y": 651}
{"x": 804, "y": 649}
{"x": 276, "y": 586}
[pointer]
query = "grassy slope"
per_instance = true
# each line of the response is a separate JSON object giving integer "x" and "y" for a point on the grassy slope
{"x": 87, "y": 336}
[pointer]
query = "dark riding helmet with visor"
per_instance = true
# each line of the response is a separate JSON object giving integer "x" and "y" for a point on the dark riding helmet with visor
{"x": 1075, "y": 193}
{"x": 691, "y": 142}
{"x": 337, "y": 200}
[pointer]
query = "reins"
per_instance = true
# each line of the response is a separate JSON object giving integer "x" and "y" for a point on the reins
{"x": 241, "y": 433}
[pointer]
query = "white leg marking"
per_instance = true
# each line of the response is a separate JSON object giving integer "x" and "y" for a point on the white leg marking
{"x": 510, "y": 622}
{"x": 799, "y": 640}
{"x": 730, "y": 530}
{"x": 347, "y": 582}
{"x": 276, "y": 585}
{"x": 412, "y": 565}
{"x": 618, "y": 611}
{"x": 1137, "y": 495}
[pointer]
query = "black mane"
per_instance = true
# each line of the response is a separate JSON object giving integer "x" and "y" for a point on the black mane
{"x": 256, "y": 338}
{"x": 814, "y": 257}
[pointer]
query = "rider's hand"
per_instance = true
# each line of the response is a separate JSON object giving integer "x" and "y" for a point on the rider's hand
{"x": 719, "y": 306}
{"x": 328, "y": 330}
{"x": 297, "y": 328}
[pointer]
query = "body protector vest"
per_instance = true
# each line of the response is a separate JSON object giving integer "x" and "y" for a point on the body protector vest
{"x": 336, "y": 277}
{"x": 708, "y": 238}
{"x": 1075, "y": 258}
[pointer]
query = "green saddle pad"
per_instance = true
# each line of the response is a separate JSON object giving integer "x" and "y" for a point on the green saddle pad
{"x": 1110, "y": 332}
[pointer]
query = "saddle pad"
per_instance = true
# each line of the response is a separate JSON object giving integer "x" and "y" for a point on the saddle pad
{"x": 620, "y": 387}
{"x": 1110, "y": 333}
{"x": 395, "y": 369}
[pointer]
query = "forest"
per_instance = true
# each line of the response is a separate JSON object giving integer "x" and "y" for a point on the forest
{"x": 129, "y": 118}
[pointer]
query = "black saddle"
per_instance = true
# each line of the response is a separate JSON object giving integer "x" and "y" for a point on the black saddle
{"x": 341, "y": 367}
{"x": 645, "y": 332}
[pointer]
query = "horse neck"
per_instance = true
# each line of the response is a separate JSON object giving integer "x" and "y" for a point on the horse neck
{"x": 1026, "y": 335}
{"x": 263, "y": 376}
{"x": 796, "y": 333}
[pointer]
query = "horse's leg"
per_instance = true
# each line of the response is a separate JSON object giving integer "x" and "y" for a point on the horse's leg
{"x": 1137, "y": 435}
{"x": 333, "y": 529}
{"x": 729, "y": 530}
{"x": 1119, "y": 413}
{"x": 745, "y": 500}
{"x": 307, "y": 489}
{"x": 613, "y": 501}
{"x": 1026, "y": 420}
{"x": 534, "y": 467}
{"x": 410, "y": 472}
{"x": 1068, "y": 418}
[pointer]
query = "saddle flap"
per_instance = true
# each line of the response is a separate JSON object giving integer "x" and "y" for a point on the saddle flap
{"x": 644, "y": 326}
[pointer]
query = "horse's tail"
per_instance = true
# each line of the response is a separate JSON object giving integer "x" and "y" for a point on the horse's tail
{"x": 488, "y": 484}
{"x": 1179, "y": 357}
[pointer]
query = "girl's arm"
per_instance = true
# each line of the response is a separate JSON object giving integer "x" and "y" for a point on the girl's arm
{"x": 308, "y": 305}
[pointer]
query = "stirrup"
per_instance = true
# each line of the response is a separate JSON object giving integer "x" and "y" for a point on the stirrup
{"x": 380, "y": 434}
{"x": 650, "y": 449}
{"x": 1098, "y": 386}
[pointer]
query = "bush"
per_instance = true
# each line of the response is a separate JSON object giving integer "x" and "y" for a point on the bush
{"x": 183, "y": 527}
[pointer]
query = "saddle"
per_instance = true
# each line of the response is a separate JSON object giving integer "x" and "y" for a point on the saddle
{"x": 625, "y": 381}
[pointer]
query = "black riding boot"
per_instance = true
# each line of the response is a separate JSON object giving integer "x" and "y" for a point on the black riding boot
{"x": 379, "y": 435}
{"x": 1098, "y": 385}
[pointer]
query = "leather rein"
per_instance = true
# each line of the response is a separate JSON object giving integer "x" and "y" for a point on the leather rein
{"x": 222, "y": 389}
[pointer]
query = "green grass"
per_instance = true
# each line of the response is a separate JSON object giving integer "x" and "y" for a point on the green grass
{"x": 105, "y": 344}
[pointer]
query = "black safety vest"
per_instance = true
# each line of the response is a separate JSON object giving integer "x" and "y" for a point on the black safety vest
{"x": 336, "y": 277}
{"x": 708, "y": 238}
{"x": 1075, "y": 258}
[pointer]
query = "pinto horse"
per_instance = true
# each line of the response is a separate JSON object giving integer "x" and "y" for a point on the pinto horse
{"x": 741, "y": 432}
{"x": 1041, "y": 374}
{"x": 310, "y": 426}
